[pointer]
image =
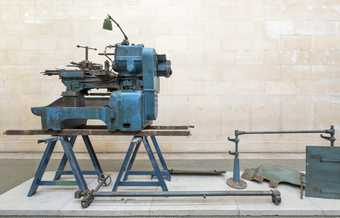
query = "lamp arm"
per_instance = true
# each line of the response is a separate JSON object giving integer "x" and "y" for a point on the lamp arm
{"x": 117, "y": 24}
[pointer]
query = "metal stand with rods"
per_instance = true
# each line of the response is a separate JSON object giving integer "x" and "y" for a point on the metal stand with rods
{"x": 235, "y": 181}
{"x": 67, "y": 138}
{"x": 67, "y": 143}
{"x": 161, "y": 172}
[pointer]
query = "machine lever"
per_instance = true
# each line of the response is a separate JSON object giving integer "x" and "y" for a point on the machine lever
{"x": 233, "y": 139}
{"x": 330, "y": 138}
{"x": 86, "y": 50}
{"x": 232, "y": 152}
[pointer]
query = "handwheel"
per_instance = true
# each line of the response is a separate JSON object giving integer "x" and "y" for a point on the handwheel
{"x": 84, "y": 204}
{"x": 108, "y": 181}
{"x": 276, "y": 200}
{"x": 276, "y": 197}
{"x": 87, "y": 200}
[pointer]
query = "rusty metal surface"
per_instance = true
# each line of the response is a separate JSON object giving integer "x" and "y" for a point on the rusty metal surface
{"x": 99, "y": 130}
{"x": 275, "y": 174}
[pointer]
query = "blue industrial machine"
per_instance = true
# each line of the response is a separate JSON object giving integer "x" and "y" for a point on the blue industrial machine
{"x": 130, "y": 81}
{"x": 127, "y": 106}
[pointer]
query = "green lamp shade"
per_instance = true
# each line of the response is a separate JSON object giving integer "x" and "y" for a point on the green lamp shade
{"x": 107, "y": 25}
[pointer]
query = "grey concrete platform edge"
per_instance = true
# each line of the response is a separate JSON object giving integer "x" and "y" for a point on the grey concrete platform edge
{"x": 60, "y": 202}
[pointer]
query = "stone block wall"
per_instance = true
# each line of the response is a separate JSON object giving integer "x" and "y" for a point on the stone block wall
{"x": 238, "y": 64}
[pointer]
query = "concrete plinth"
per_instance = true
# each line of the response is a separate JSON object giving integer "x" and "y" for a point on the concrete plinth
{"x": 59, "y": 201}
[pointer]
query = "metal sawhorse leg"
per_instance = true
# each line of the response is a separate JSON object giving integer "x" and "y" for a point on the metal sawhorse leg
{"x": 67, "y": 144}
{"x": 159, "y": 173}
{"x": 97, "y": 168}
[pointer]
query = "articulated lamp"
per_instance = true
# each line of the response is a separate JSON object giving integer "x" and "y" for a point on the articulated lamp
{"x": 107, "y": 25}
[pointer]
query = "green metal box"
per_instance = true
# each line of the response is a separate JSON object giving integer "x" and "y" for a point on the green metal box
{"x": 322, "y": 172}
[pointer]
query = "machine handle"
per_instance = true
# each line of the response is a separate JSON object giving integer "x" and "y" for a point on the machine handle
{"x": 86, "y": 47}
{"x": 322, "y": 160}
{"x": 86, "y": 50}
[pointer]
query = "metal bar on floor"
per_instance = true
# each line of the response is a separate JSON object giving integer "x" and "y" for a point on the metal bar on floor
{"x": 89, "y": 196}
{"x": 185, "y": 193}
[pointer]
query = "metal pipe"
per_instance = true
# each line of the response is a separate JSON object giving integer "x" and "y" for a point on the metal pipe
{"x": 331, "y": 132}
{"x": 89, "y": 196}
{"x": 281, "y": 132}
{"x": 196, "y": 172}
{"x": 183, "y": 193}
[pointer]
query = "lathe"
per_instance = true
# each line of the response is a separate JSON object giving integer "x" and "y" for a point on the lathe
{"x": 127, "y": 106}
{"x": 130, "y": 80}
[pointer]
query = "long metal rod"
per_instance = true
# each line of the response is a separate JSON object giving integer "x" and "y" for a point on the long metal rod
{"x": 196, "y": 172}
{"x": 156, "y": 127}
{"x": 88, "y": 197}
{"x": 330, "y": 137}
{"x": 281, "y": 132}
{"x": 171, "y": 127}
{"x": 183, "y": 193}
{"x": 74, "y": 132}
